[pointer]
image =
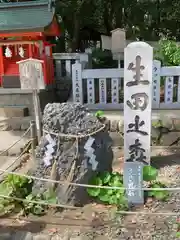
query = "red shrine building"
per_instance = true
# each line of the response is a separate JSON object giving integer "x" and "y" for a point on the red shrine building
{"x": 24, "y": 31}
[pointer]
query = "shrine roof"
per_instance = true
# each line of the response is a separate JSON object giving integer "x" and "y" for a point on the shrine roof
{"x": 32, "y": 16}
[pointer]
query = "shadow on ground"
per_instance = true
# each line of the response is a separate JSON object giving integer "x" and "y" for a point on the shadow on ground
{"x": 46, "y": 223}
{"x": 33, "y": 227}
{"x": 168, "y": 160}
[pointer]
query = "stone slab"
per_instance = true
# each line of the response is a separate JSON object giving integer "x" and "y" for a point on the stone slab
{"x": 17, "y": 97}
{"x": 15, "y": 123}
{"x": 13, "y": 111}
{"x": 22, "y": 236}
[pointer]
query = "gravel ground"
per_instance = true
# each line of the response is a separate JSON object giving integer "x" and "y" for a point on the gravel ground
{"x": 108, "y": 224}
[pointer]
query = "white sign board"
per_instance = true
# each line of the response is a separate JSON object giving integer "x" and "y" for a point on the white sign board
{"x": 118, "y": 40}
{"x": 106, "y": 42}
{"x": 90, "y": 153}
{"x": 134, "y": 179}
{"x": 77, "y": 83}
{"x": 31, "y": 74}
{"x": 137, "y": 111}
{"x": 49, "y": 152}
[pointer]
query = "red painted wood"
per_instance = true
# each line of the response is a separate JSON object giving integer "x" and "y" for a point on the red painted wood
{"x": 22, "y": 34}
{"x": 30, "y": 50}
{"x": 1, "y": 65}
{"x": 8, "y": 66}
{"x": 12, "y": 69}
{"x": 54, "y": 29}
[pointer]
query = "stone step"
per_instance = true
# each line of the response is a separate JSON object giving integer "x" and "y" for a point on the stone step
{"x": 116, "y": 118}
{"x": 15, "y": 123}
{"x": 13, "y": 111}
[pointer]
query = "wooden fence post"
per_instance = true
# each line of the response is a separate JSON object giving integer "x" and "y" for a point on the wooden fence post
{"x": 77, "y": 83}
{"x": 33, "y": 139}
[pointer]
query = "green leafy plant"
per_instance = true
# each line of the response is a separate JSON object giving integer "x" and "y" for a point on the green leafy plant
{"x": 150, "y": 175}
{"x": 117, "y": 196}
{"x": 34, "y": 208}
{"x": 94, "y": 192}
{"x": 102, "y": 59}
{"x": 109, "y": 196}
{"x": 178, "y": 228}
{"x": 158, "y": 194}
{"x": 14, "y": 187}
{"x": 178, "y": 234}
{"x": 156, "y": 124}
{"x": 17, "y": 187}
{"x": 39, "y": 209}
{"x": 99, "y": 114}
{"x": 168, "y": 52}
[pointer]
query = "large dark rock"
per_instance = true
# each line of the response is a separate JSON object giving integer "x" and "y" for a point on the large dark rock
{"x": 70, "y": 160}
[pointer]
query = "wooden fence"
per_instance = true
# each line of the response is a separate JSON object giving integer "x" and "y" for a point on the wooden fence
{"x": 64, "y": 61}
{"x": 103, "y": 88}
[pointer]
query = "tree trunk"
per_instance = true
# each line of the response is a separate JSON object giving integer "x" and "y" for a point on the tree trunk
{"x": 107, "y": 21}
{"x": 75, "y": 39}
{"x": 60, "y": 46}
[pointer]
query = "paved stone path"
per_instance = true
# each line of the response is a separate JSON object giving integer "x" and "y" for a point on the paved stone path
{"x": 7, "y": 138}
{"x": 30, "y": 236}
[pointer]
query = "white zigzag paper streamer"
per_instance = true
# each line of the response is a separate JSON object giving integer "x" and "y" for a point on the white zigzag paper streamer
{"x": 90, "y": 153}
{"x": 50, "y": 150}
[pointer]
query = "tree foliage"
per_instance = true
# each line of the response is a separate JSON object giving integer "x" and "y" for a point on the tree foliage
{"x": 168, "y": 52}
{"x": 142, "y": 19}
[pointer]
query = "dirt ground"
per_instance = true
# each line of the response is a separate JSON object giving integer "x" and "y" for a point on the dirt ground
{"x": 93, "y": 217}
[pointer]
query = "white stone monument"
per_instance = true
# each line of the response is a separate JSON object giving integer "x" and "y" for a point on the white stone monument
{"x": 137, "y": 116}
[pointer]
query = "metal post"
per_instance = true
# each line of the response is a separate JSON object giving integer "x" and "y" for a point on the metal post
{"x": 33, "y": 139}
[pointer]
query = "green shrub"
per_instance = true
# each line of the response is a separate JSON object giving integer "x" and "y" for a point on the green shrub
{"x": 118, "y": 196}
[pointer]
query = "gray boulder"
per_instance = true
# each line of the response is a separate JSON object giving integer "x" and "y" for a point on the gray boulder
{"x": 82, "y": 149}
